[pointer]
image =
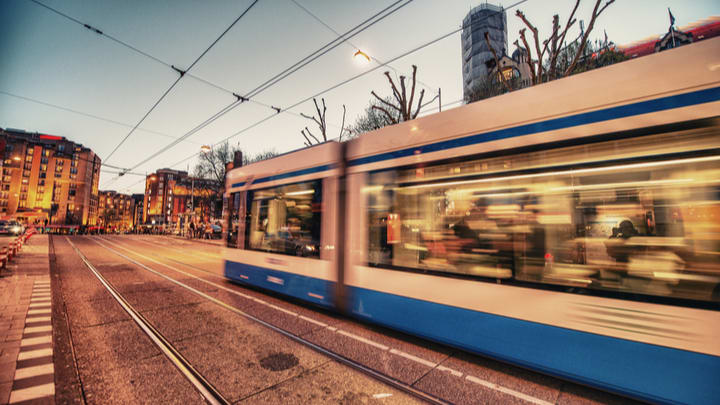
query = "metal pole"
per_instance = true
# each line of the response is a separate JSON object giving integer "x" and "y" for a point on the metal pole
{"x": 439, "y": 99}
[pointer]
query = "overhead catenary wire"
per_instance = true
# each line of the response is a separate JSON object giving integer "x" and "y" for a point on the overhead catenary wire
{"x": 367, "y": 23}
{"x": 374, "y": 58}
{"x": 182, "y": 73}
{"x": 97, "y": 117}
{"x": 344, "y": 82}
{"x": 148, "y": 55}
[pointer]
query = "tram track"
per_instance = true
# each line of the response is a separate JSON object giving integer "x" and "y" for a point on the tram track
{"x": 385, "y": 379}
{"x": 201, "y": 384}
{"x": 491, "y": 381}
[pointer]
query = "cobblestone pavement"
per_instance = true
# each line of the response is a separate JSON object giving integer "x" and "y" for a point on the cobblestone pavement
{"x": 26, "y": 361}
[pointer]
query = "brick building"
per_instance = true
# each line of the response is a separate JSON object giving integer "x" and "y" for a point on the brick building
{"x": 47, "y": 176}
{"x": 171, "y": 196}
{"x": 116, "y": 211}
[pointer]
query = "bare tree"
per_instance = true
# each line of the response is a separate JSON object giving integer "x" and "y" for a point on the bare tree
{"x": 321, "y": 123}
{"x": 211, "y": 165}
{"x": 371, "y": 119}
{"x": 402, "y": 105}
{"x": 554, "y": 45}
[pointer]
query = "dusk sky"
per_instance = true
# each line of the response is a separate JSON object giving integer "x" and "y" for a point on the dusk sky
{"x": 53, "y": 60}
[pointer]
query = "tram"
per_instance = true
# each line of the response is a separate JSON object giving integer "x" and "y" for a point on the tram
{"x": 572, "y": 227}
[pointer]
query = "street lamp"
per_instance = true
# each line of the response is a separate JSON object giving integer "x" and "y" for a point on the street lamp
{"x": 360, "y": 54}
{"x": 16, "y": 158}
{"x": 205, "y": 149}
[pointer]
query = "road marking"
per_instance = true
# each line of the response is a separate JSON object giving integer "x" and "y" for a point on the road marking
{"x": 39, "y": 312}
{"x": 39, "y": 305}
{"x": 508, "y": 391}
{"x": 451, "y": 371}
{"x": 380, "y": 396}
{"x": 362, "y": 339}
{"x": 34, "y": 329}
{"x": 38, "y": 391}
{"x": 40, "y": 299}
{"x": 31, "y": 319}
{"x": 34, "y": 354}
{"x": 36, "y": 340}
{"x": 428, "y": 363}
{"x": 282, "y": 309}
{"x": 413, "y": 358}
{"x": 34, "y": 371}
{"x": 305, "y": 318}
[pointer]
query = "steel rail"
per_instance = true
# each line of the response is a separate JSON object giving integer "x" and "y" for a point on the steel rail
{"x": 392, "y": 382}
{"x": 203, "y": 386}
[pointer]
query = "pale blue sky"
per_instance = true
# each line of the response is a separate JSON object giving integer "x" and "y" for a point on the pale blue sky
{"x": 48, "y": 58}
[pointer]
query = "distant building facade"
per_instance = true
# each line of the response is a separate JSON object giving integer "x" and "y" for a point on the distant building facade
{"x": 48, "y": 177}
{"x": 116, "y": 212}
{"x": 475, "y": 51}
{"x": 172, "y": 197}
{"x": 139, "y": 204}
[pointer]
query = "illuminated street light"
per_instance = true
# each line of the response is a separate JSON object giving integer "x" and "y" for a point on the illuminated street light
{"x": 205, "y": 148}
{"x": 360, "y": 54}
{"x": 16, "y": 158}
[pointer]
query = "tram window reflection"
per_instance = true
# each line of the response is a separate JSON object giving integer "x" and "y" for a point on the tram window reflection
{"x": 645, "y": 229}
{"x": 286, "y": 219}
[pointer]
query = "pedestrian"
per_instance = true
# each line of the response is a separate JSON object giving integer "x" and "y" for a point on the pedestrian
{"x": 192, "y": 229}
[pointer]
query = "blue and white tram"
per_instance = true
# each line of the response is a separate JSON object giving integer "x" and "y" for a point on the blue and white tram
{"x": 572, "y": 227}
{"x": 281, "y": 214}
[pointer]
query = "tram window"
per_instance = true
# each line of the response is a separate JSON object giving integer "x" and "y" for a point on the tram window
{"x": 233, "y": 219}
{"x": 286, "y": 219}
{"x": 636, "y": 229}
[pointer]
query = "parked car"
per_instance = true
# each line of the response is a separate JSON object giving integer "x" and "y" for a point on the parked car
{"x": 11, "y": 228}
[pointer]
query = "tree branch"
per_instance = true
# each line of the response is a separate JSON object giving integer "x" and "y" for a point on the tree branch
{"x": 534, "y": 30}
{"x": 403, "y": 104}
{"x": 412, "y": 92}
{"x": 342, "y": 126}
{"x": 533, "y": 77}
{"x": 396, "y": 93}
{"x": 497, "y": 62}
{"x": 422, "y": 93}
{"x": 571, "y": 20}
{"x": 385, "y": 102}
{"x": 389, "y": 116}
{"x": 594, "y": 17}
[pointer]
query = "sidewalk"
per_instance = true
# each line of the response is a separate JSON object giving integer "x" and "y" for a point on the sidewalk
{"x": 26, "y": 356}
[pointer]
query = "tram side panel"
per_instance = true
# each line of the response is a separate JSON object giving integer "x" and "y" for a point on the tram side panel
{"x": 405, "y": 272}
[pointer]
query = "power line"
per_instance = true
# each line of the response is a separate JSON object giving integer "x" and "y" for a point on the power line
{"x": 146, "y": 54}
{"x": 374, "y": 58}
{"x": 182, "y": 73}
{"x": 88, "y": 115}
{"x": 328, "y": 47}
{"x": 377, "y": 17}
{"x": 344, "y": 82}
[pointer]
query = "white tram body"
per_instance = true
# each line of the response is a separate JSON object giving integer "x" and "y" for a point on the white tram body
{"x": 571, "y": 227}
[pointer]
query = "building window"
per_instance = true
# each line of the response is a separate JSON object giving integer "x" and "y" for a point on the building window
{"x": 28, "y": 158}
{"x": 39, "y": 196}
{"x": 30, "y": 151}
{"x": 44, "y": 160}
{"x": 26, "y": 173}
{"x": 28, "y": 166}
{"x": 58, "y": 175}
{"x": 24, "y": 188}
{"x": 46, "y": 152}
